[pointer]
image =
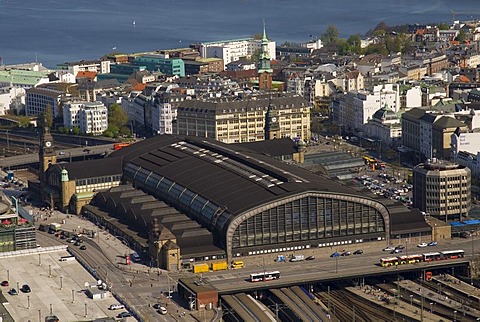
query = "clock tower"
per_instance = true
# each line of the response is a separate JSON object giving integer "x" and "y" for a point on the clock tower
{"x": 272, "y": 123}
{"x": 47, "y": 156}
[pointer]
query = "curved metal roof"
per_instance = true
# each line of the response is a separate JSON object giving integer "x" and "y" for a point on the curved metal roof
{"x": 210, "y": 180}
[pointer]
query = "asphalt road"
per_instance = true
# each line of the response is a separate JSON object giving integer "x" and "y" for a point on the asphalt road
{"x": 326, "y": 267}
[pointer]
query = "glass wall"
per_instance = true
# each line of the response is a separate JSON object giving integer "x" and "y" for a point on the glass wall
{"x": 307, "y": 219}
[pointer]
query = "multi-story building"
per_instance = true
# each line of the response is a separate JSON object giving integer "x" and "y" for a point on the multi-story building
{"x": 168, "y": 66}
{"x": 429, "y": 133}
{"x": 164, "y": 108}
{"x": 11, "y": 98}
{"x": 234, "y": 49}
{"x": 37, "y": 99}
{"x": 89, "y": 117}
{"x": 23, "y": 78}
{"x": 354, "y": 109}
{"x": 98, "y": 66}
{"x": 232, "y": 120}
{"x": 442, "y": 189}
{"x": 385, "y": 126}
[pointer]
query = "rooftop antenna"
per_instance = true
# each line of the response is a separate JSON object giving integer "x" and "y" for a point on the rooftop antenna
{"x": 36, "y": 57}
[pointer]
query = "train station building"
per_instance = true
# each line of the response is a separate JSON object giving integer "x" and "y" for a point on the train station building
{"x": 198, "y": 200}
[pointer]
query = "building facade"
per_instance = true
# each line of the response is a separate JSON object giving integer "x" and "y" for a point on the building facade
{"x": 89, "y": 117}
{"x": 168, "y": 66}
{"x": 234, "y": 49}
{"x": 243, "y": 120}
{"x": 442, "y": 189}
{"x": 37, "y": 99}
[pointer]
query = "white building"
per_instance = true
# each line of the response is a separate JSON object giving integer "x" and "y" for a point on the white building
{"x": 469, "y": 160}
{"x": 233, "y": 50}
{"x": 413, "y": 97}
{"x": 465, "y": 142}
{"x": 89, "y": 117}
{"x": 98, "y": 66}
{"x": 11, "y": 98}
{"x": 385, "y": 126}
{"x": 164, "y": 107}
{"x": 366, "y": 103}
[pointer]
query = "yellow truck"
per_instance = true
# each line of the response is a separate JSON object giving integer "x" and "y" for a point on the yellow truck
{"x": 200, "y": 268}
{"x": 219, "y": 266}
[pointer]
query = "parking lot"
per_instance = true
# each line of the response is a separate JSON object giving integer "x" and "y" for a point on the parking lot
{"x": 380, "y": 183}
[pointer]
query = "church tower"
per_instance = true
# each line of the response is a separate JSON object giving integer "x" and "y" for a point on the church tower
{"x": 264, "y": 70}
{"x": 272, "y": 123}
{"x": 47, "y": 156}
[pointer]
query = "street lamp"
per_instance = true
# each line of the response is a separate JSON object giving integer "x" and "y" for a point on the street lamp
{"x": 431, "y": 307}
{"x": 455, "y": 316}
{"x": 411, "y": 299}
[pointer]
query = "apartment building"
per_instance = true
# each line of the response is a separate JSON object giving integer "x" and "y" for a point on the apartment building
{"x": 234, "y": 49}
{"x": 89, "y": 117}
{"x": 235, "y": 119}
{"x": 354, "y": 109}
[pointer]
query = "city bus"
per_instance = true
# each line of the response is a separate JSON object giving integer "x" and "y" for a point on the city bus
{"x": 452, "y": 254}
{"x": 265, "y": 276}
{"x": 434, "y": 256}
{"x": 389, "y": 261}
{"x": 368, "y": 160}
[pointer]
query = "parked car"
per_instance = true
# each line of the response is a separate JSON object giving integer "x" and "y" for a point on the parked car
{"x": 25, "y": 288}
{"x": 389, "y": 249}
{"x": 13, "y": 291}
{"x": 77, "y": 243}
{"x": 116, "y": 307}
{"x": 400, "y": 247}
{"x": 83, "y": 247}
{"x": 358, "y": 252}
{"x": 396, "y": 251}
{"x": 421, "y": 245}
{"x": 346, "y": 253}
{"x": 4, "y": 283}
{"x": 432, "y": 243}
{"x": 310, "y": 258}
{"x": 124, "y": 314}
{"x": 162, "y": 310}
{"x": 336, "y": 254}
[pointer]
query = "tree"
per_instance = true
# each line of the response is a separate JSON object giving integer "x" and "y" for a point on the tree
{"x": 47, "y": 117}
{"x": 330, "y": 37}
{"x": 117, "y": 116}
{"x": 462, "y": 36}
{"x": 443, "y": 26}
{"x": 76, "y": 130}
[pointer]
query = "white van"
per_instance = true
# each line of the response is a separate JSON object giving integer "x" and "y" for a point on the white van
{"x": 67, "y": 258}
{"x": 297, "y": 258}
{"x": 116, "y": 306}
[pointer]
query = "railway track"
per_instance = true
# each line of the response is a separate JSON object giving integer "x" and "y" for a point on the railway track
{"x": 347, "y": 307}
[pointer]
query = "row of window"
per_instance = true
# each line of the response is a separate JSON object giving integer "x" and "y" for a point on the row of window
{"x": 308, "y": 218}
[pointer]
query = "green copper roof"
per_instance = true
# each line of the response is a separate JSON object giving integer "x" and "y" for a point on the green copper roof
{"x": 25, "y": 77}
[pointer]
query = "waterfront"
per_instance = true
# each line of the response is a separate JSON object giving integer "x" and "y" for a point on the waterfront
{"x": 54, "y": 31}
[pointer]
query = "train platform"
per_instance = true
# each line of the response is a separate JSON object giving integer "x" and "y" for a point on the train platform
{"x": 449, "y": 281}
{"x": 376, "y": 297}
{"x": 437, "y": 298}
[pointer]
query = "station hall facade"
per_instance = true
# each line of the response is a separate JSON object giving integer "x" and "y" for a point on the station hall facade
{"x": 215, "y": 200}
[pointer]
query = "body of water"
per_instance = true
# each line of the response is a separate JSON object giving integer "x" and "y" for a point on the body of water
{"x": 54, "y": 31}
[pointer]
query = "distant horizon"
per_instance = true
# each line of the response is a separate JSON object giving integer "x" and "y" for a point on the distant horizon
{"x": 55, "y": 32}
